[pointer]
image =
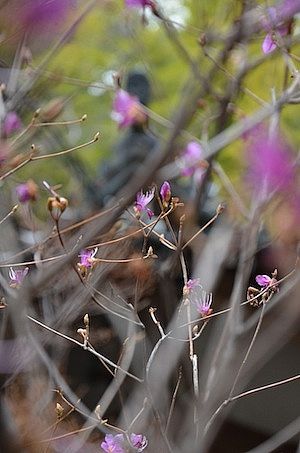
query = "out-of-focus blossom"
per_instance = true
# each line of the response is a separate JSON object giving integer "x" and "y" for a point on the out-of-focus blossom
{"x": 263, "y": 280}
{"x": 138, "y": 441}
{"x": 271, "y": 40}
{"x": 270, "y": 163}
{"x": 142, "y": 200}
{"x": 287, "y": 9}
{"x": 203, "y": 302}
{"x": 17, "y": 276}
{"x": 11, "y": 123}
{"x": 190, "y": 158}
{"x": 87, "y": 257}
{"x": 118, "y": 443}
{"x": 275, "y": 27}
{"x": 165, "y": 193}
{"x": 27, "y": 191}
{"x": 138, "y": 3}
{"x": 38, "y": 14}
{"x": 191, "y": 161}
{"x": 127, "y": 110}
{"x": 192, "y": 284}
{"x": 113, "y": 444}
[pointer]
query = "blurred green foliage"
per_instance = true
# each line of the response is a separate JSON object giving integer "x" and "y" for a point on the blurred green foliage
{"x": 113, "y": 39}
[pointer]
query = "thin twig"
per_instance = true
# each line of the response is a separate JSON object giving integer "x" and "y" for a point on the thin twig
{"x": 202, "y": 229}
{"x": 87, "y": 348}
{"x": 11, "y": 212}
{"x": 67, "y": 151}
{"x": 174, "y": 399}
{"x": 249, "y": 349}
{"x": 265, "y": 387}
{"x": 156, "y": 322}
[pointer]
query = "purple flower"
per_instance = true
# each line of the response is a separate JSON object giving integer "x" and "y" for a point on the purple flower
{"x": 203, "y": 302}
{"x": 138, "y": 441}
{"x": 11, "y": 124}
{"x": 142, "y": 200}
{"x": 270, "y": 42}
{"x": 138, "y": 3}
{"x": 192, "y": 283}
{"x": 191, "y": 156}
{"x": 263, "y": 280}
{"x": 42, "y": 14}
{"x": 191, "y": 162}
{"x": 270, "y": 162}
{"x": 87, "y": 257}
{"x": 267, "y": 282}
{"x": 23, "y": 193}
{"x": 127, "y": 110}
{"x": 165, "y": 193}
{"x": 287, "y": 9}
{"x": 113, "y": 444}
{"x": 27, "y": 191}
{"x": 17, "y": 276}
{"x": 275, "y": 28}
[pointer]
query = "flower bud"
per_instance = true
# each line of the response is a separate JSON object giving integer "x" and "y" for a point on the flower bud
{"x": 27, "y": 191}
{"x": 221, "y": 207}
{"x": 165, "y": 193}
{"x": 59, "y": 410}
{"x": 12, "y": 123}
{"x": 86, "y": 320}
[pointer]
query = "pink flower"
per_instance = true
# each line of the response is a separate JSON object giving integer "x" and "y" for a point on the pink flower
{"x": 268, "y": 283}
{"x": 11, "y": 124}
{"x": 270, "y": 162}
{"x": 87, "y": 257}
{"x": 17, "y": 276}
{"x": 142, "y": 200}
{"x": 191, "y": 162}
{"x": 138, "y": 3}
{"x": 113, "y": 444}
{"x": 203, "y": 302}
{"x": 192, "y": 284}
{"x": 276, "y": 29}
{"x": 288, "y": 8}
{"x": 127, "y": 110}
{"x": 270, "y": 42}
{"x": 116, "y": 444}
{"x": 138, "y": 441}
{"x": 27, "y": 191}
{"x": 38, "y": 14}
{"x": 263, "y": 280}
{"x": 165, "y": 193}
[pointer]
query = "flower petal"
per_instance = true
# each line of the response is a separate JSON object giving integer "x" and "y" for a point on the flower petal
{"x": 263, "y": 280}
{"x": 268, "y": 44}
